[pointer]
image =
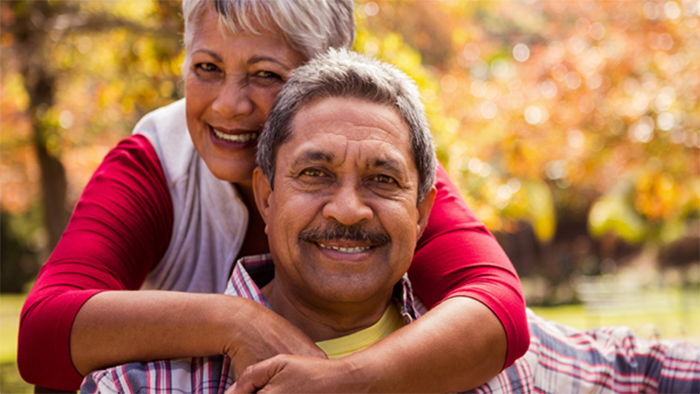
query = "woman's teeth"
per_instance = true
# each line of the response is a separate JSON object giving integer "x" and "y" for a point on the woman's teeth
{"x": 235, "y": 137}
{"x": 356, "y": 249}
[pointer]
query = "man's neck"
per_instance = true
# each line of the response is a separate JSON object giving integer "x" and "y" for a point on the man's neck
{"x": 324, "y": 322}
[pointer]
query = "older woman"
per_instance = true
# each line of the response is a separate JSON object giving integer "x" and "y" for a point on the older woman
{"x": 171, "y": 208}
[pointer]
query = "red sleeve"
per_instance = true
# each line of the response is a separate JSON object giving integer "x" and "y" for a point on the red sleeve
{"x": 119, "y": 230}
{"x": 458, "y": 256}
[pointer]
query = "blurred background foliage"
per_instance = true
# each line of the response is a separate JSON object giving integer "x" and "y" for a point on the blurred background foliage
{"x": 572, "y": 128}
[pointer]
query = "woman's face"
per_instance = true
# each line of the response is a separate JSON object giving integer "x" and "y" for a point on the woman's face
{"x": 231, "y": 83}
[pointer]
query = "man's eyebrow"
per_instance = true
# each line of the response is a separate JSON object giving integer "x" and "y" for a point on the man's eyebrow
{"x": 315, "y": 156}
{"x": 210, "y": 53}
{"x": 258, "y": 59}
{"x": 388, "y": 163}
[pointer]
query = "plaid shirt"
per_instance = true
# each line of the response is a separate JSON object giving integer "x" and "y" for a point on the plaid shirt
{"x": 604, "y": 360}
{"x": 214, "y": 374}
{"x": 560, "y": 359}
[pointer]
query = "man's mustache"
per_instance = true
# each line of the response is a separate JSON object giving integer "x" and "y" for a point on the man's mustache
{"x": 349, "y": 233}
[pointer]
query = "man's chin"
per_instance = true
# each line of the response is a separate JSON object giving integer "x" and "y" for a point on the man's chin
{"x": 346, "y": 290}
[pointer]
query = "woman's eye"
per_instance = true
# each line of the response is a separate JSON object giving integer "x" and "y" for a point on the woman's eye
{"x": 267, "y": 74}
{"x": 268, "y": 78}
{"x": 206, "y": 68}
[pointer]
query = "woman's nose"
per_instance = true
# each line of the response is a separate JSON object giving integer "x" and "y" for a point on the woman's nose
{"x": 233, "y": 99}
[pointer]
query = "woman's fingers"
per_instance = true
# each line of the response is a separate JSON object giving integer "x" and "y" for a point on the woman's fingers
{"x": 296, "y": 374}
{"x": 256, "y": 376}
{"x": 265, "y": 335}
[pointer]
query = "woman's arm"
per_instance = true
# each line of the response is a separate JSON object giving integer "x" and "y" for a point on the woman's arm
{"x": 119, "y": 229}
{"x": 458, "y": 256}
{"x": 71, "y": 322}
{"x": 124, "y": 326}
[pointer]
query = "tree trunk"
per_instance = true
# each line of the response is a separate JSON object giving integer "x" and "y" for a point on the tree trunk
{"x": 40, "y": 86}
{"x": 54, "y": 186}
{"x": 54, "y": 183}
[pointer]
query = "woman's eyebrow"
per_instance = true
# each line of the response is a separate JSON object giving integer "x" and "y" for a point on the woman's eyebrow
{"x": 210, "y": 53}
{"x": 258, "y": 59}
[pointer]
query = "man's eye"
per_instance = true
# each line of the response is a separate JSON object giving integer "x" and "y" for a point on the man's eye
{"x": 313, "y": 172}
{"x": 385, "y": 179}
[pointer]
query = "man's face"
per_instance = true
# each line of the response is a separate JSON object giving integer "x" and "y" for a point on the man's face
{"x": 342, "y": 220}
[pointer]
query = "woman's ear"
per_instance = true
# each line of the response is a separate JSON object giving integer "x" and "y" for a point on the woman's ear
{"x": 263, "y": 192}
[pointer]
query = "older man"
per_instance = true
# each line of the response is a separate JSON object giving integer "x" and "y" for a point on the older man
{"x": 345, "y": 186}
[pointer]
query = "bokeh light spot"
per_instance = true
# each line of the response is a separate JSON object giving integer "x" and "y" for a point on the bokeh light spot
{"x": 521, "y": 52}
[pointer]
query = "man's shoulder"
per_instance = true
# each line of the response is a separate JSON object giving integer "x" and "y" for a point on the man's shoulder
{"x": 203, "y": 375}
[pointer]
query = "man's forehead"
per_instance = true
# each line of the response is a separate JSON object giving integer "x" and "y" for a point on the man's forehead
{"x": 329, "y": 128}
{"x": 372, "y": 114}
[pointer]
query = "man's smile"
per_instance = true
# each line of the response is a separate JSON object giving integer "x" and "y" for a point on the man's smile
{"x": 355, "y": 249}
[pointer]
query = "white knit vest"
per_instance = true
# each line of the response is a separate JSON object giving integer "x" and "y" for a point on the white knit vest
{"x": 210, "y": 219}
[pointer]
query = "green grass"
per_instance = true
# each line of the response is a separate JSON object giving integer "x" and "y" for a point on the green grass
{"x": 676, "y": 315}
{"x": 10, "y": 307}
{"x": 669, "y": 325}
{"x": 10, "y": 381}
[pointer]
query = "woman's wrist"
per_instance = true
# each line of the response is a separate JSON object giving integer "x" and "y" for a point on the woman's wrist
{"x": 364, "y": 372}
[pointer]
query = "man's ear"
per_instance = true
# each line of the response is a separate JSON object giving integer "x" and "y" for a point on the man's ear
{"x": 424, "y": 209}
{"x": 263, "y": 192}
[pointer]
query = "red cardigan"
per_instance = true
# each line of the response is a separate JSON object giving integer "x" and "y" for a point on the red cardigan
{"x": 122, "y": 225}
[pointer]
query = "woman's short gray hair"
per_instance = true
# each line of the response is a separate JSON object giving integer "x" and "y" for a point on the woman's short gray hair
{"x": 342, "y": 73}
{"x": 309, "y": 26}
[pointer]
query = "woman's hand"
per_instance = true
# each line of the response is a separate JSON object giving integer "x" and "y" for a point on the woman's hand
{"x": 287, "y": 374}
{"x": 266, "y": 335}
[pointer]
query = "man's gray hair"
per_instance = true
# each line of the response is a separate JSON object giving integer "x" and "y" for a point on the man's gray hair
{"x": 342, "y": 73}
{"x": 309, "y": 26}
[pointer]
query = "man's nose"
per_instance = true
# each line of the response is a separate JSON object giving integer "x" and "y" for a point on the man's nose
{"x": 347, "y": 206}
{"x": 233, "y": 99}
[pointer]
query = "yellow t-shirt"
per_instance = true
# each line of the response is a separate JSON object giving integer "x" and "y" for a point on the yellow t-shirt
{"x": 349, "y": 344}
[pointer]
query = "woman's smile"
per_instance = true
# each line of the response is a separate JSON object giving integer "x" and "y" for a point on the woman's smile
{"x": 236, "y": 139}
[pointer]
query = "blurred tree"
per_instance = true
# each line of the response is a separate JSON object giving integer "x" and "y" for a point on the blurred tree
{"x": 76, "y": 73}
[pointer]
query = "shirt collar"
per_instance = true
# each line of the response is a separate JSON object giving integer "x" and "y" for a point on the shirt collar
{"x": 253, "y": 272}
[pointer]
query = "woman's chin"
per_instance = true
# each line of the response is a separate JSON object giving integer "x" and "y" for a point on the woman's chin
{"x": 231, "y": 165}
{"x": 234, "y": 171}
